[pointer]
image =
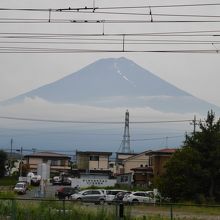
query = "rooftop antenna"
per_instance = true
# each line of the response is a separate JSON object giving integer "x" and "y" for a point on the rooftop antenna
{"x": 125, "y": 144}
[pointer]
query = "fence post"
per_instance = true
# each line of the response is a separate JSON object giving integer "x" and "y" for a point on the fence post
{"x": 13, "y": 209}
{"x": 64, "y": 206}
{"x": 121, "y": 211}
{"x": 116, "y": 209}
{"x": 171, "y": 212}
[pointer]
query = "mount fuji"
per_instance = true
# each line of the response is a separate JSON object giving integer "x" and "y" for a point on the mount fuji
{"x": 117, "y": 82}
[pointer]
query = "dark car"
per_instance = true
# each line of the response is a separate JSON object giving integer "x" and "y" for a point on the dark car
{"x": 35, "y": 180}
{"x": 65, "y": 192}
{"x": 61, "y": 180}
{"x": 119, "y": 196}
{"x": 66, "y": 181}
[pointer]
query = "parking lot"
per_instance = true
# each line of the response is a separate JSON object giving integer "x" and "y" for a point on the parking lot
{"x": 186, "y": 212}
{"x": 34, "y": 192}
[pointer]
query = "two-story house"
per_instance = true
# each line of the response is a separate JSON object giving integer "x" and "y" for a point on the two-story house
{"x": 132, "y": 168}
{"x": 91, "y": 161}
{"x": 120, "y": 158}
{"x": 57, "y": 162}
{"x": 158, "y": 160}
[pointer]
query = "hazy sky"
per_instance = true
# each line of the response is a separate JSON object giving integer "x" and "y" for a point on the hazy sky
{"x": 196, "y": 73}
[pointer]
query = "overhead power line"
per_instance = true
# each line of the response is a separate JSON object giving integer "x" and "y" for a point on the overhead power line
{"x": 109, "y": 8}
{"x": 157, "y": 138}
{"x": 52, "y": 35}
{"x": 92, "y": 122}
{"x": 150, "y": 42}
{"x": 60, "y": 51}
{"x": 105, "y": 21}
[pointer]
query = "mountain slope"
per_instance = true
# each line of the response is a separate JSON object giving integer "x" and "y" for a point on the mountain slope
{"x": 118, "y": 83}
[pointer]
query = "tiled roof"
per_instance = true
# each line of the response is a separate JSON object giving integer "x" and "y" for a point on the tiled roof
{"x": 142, "y": 169}
{"x": 94, "y": 153}
{"x": 164, "y": 151}
{"x": 46, "y": 154}
{"x": 167, "y": 150}
{"x": 137, "y": 155}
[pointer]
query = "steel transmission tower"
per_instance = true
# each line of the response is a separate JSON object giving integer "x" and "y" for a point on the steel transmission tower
{"x": 125, "y": 144}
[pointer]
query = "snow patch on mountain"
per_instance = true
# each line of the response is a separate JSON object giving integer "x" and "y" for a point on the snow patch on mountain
{"x": 123, "y": 75}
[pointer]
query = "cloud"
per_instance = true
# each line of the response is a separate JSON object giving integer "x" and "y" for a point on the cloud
{"x": 89, "y": 136}
{"x": 41, "y": 109}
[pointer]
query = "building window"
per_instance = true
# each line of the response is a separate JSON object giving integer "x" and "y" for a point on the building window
{"x": 94, "y": 158}
{"x": 55, "y": 162}
{"x": 62, "y": 162}
{"x": 124, "y": 179}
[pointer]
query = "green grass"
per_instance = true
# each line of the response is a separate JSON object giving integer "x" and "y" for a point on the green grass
{"x": 8, "y": 181}
{"x": 53, "y": 209}
{"x": 178, "y": 210}
{"x": 202, "y": 210}
{"x": 7, "y": 194}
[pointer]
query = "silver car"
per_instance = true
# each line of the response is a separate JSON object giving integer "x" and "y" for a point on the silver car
{"x": 20, "y": 188}
{"x": 95, "y": 196}
{"x": 139, "y": 197}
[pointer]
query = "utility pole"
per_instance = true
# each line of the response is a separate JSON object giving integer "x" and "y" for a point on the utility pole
{"x": 10, "y": 161}
{"x": 20, "y": 150}
{"x": 166, "y": 142}
{"x": 21, "y": 162}
{"x": 194, "y": 125}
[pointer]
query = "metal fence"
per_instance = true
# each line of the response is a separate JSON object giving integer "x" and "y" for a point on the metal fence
{"x": 50, "y": 209}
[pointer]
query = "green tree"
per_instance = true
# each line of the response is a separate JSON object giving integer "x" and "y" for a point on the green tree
{"x": 3, "y": 158}
{"x": 183, "y": 171}
{"x": 195, "y": 168}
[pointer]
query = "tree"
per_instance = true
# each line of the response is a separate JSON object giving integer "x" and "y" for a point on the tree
{"x": 195, "y": 168}
{"x": 3, "y": 158}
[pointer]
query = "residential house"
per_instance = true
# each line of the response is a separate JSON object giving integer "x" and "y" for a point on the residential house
{"x": 133, "y": 170}
{"x": 124, "y": 179}
{"x": 120, "y": 157}
{"x": 158, "y": 159}
{"x": 57, "y": 162}
{"x": 138, "y": 160}
{"x": 142, "y": 176}
{"x": 93, "y": 161}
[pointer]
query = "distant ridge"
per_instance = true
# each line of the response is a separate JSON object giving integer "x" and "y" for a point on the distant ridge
{"x": 118, "y": 82}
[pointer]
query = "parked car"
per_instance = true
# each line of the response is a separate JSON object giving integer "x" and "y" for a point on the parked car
{"x": 65, "y": 192}
{"x": 119, "y": 196}
{"x": 56, "y": 180}
{"x": 110, "y": 195}
{"x": 94, "y": 196}
{"x": 21, "y": 187}
{"x": 66, "y": 181}
{"x": 35, "y": 180}
{"x": 61, "y": 180}
{"x": 139, "y": 197}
